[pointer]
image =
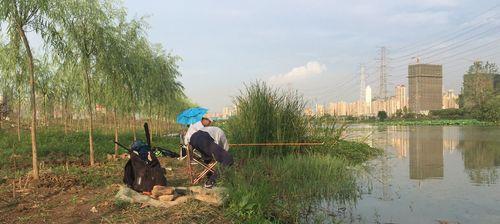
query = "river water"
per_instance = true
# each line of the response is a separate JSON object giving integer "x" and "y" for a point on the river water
{"x": 429, "y": 174}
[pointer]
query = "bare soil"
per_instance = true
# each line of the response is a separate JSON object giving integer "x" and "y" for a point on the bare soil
{"x": 82, "y": 194}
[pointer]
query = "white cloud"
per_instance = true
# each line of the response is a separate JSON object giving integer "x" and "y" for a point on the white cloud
{"x": 312, "y": 68}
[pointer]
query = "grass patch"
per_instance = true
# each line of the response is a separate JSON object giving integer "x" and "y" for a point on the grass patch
{"x": 55, "y": 147}
{"x": 288, "y": 189}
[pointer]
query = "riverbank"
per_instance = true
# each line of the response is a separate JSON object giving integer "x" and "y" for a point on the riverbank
{"x": 261, "y": 188}
{"x": 442, "y": 122}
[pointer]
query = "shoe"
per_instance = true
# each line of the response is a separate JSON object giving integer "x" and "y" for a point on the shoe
{"x": 209, "y": 184}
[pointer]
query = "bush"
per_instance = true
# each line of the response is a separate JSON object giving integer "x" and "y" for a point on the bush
{"x": 450, "y": 113}
{"x": 490, "y": 111}
{"x": 382, "y": 115}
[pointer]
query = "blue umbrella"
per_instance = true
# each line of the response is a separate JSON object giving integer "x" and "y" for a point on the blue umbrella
{"x": 191, "y": 115}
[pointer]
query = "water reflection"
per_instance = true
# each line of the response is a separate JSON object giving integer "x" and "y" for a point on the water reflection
{"x": 480, "y": 155}
{"x": 430, "y": 173}
{"x": 425, "y": 147}
{"x": 426, "y": 152}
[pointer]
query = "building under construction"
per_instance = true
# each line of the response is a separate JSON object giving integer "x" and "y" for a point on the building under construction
{"x": 425, "y": 83}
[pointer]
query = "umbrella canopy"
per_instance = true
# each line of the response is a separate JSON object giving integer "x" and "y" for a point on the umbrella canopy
{"x": 191, "y": 115}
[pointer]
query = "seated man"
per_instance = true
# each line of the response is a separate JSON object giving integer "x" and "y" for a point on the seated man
{"x": 196, "y": 127}
{"x": 209, "y": 150}
{"x": 218, "y": 135}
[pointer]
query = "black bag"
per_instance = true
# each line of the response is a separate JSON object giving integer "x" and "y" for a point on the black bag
{"x": 142, "y": 174}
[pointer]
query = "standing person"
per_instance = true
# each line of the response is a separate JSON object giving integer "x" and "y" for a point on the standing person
{"x": 210, "y": 150}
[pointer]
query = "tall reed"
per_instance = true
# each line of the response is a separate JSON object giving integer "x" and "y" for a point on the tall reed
{"x": 266, "y": 114}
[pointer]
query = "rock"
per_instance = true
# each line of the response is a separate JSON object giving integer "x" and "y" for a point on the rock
{"x": 93, "y": 210}
{"x": 166, "y": 197}
{"x": 161, "y": 190}
{"x": 178, "y": 195}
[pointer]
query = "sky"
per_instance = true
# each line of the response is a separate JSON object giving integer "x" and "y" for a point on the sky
{"x": 316, "y": 47}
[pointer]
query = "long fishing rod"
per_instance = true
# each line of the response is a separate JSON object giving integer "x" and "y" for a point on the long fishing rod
{"x": 280, "y": 144}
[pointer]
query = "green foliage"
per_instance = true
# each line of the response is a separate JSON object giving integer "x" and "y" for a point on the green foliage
{"x": 490, "y": 111}
{"x": 287, "y": 189}
{"x": 479, "y": 90}
{"x": 382, "y": 115}
{"x": 450, "y": 113}
{"x": 267, "y": 115}
{"x": 438, "y": 122}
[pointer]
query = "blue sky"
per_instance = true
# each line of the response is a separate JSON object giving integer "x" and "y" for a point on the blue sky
{"x": 315, "y": 46}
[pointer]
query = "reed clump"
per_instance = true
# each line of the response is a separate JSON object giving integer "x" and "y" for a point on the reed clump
{"x": 268, "y": 115}
{"x": 287, "y": 184}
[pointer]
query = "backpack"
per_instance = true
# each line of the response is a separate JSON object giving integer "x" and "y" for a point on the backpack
{"x": 140, "y": 173}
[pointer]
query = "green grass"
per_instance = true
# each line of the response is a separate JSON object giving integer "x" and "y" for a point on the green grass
{"x": 288, "y": 189}
{"x": 54, "y": 147}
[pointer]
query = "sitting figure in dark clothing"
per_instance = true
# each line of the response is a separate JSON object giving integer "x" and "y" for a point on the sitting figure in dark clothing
{"x": 210, "y": 150}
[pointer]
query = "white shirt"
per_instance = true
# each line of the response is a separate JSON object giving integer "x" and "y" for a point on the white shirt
{"x": 191, "y": 130}
{"x": 218, "y": 135}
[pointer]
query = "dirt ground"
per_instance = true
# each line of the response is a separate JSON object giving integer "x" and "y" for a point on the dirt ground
{"x": 82, "y": 194}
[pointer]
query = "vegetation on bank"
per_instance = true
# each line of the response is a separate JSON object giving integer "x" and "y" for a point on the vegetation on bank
{"x": 439, "y": 122}
{"x": 287, "y": 184}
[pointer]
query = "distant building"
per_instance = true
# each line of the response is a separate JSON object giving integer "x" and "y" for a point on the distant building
{"x": 228, "y": 112}
{"x": 308, "y": 111}
{"x": 401, "y": 97}
{"x": 368, "y": 100}
{"x": 450, "y": 100}
{"x": 425, "y": 87}
{"x": 320, "y": 110}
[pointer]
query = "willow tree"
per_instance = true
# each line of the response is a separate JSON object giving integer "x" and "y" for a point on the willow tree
{"x": 22, "y": 16}
{"x": 45, "y": 86}
{"x": 13, "y": 67}
{"x": 66, "y": 87}
{"x": 82, "y": 24}
{"x": 115, "y": 66}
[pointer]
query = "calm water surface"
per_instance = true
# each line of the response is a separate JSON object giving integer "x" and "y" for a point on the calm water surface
{"x": 430, "y": 174}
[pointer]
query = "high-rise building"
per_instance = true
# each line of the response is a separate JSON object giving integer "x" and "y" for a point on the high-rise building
{"x": 368, "y": 95}
{"x": 401, "y": 97}
{"x": 450, "y": 100}
{"x": 368, "y": 100}
{"x": 320, "y": 110}
{"x": 425, "y": 87}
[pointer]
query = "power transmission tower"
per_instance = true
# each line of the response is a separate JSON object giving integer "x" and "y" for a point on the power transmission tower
{"x": 382, "y": 91}
{"x": 362, "y": 83}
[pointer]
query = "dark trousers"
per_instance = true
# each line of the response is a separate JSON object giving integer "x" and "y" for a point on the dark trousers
{"x": 209, "y": 151}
